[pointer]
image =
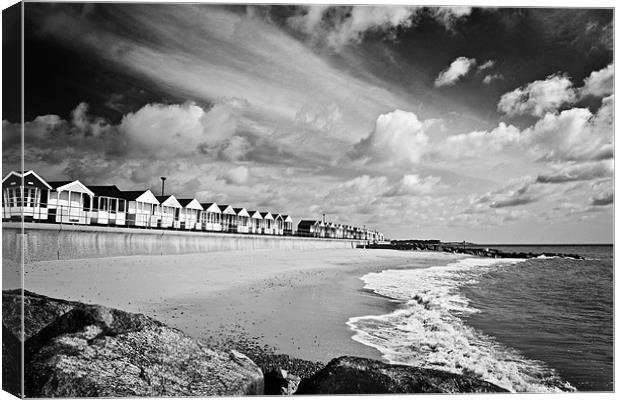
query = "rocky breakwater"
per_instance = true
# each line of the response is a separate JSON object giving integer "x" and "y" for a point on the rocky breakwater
{"x": 421, "y": 245}
{"x": 355, "y": 375}
{"x": 78, "y": 350}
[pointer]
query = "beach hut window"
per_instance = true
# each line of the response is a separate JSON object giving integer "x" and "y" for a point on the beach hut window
{"x": 112, "y": 205}
{"x": 121, "y": 205}
{"x": 43, "y": 201}
{"x": 86, "y": 203}
{"x": 103, "y": 203}
{"x": 177, "y": 213}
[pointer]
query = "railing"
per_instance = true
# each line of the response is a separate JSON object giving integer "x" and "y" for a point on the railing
{"x": 77, "y": 215}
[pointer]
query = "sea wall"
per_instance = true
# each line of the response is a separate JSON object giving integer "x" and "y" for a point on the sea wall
{"x": 43, "y": 242}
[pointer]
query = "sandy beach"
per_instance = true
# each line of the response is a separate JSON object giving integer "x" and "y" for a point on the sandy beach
{"x": 296, "y": 302}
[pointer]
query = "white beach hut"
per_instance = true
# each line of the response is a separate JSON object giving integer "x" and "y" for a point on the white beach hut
{"x": 288, "y": 225}
{"x": 243, "y": 220}
{"x": 109, "y": 206}
{"x": 229, "y": 218}
{"x": 142, "y": 208}
{"x": 211, "y": 217}
{"x": 256, "y": 221}
{"x": 70, "y": 202}
{"x": 170, "y": 212}
{"x": 190, "y": 213}
{"x": 24, "y": 195}
{"x": 278, "y": 224}
{"x": 267, "y": 223}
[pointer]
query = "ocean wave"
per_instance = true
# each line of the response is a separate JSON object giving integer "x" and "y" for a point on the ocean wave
{"x": 428, "y": 329}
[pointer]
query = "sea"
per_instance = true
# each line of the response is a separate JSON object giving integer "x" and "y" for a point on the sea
{"x": 527, "y": 325}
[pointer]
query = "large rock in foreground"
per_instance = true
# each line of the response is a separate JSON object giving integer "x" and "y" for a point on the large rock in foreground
{"x": 355, "y": 375}
{"x": 77, "y": 350}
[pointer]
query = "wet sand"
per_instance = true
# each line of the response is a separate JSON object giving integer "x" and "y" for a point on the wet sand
{"x": 295, "y": 302}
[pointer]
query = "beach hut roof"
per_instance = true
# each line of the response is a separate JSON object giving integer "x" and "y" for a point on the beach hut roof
{"x": 278, "y": 216}
{"x": 107, "y": 191}
{"x": 30, "y": 179}
{"x": 307, "y": 223}
{"x": 211, "y": 207}
{"x": 241, "y": 212}
{"x": 255, "y": 215}
{"x": 74, "y": 186}
{"x": 266, "y": 215}
{"x": 190, "y": 204}
{"x": 145, "y": 196}
{"x": 169, "y": 201}
{"x": 226, "y": 209}
{"x": 287, "y": 218}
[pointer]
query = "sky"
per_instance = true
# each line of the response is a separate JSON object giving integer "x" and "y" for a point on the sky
{"x": 491, "y": 125}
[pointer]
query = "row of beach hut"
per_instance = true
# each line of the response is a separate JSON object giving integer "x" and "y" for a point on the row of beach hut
{"x": 28, "y": 196}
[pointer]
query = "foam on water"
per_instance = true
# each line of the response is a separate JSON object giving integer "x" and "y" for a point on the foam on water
{"x": 427, "y": 330}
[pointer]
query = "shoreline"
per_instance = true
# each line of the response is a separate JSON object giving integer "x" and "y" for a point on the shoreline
{"x": 294, "y": 302}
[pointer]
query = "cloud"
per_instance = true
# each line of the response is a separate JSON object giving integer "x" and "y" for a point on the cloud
{"x": 538, "y": 97}
{"x": 578, "y": 172}
{"x": 599, "y": 83}
{"x": 399, "y": 136}
{"x": 457, "y": 69}
{"x": 413, "y": 184}
{"x": 574, "y": 135}
{"x": 604, "y": 200}
{"x": 238, "y": 175}
{"x": 486, "y": 65}
{"x": 492, "y": 77}
{"x": 481, "y": 143}
{"x": 338, "y": 26}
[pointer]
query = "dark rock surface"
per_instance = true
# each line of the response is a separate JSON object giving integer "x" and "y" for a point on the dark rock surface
{"x": 77, "y": 350}
{"x": 11, "y": 362}
{"x": 355, "y": 375}
{"x": 280, "y": 382}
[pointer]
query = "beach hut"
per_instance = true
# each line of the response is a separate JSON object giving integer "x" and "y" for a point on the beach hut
{"x": 109, "y": 206}
{"x": 190, "y": 213}
{"x": 229, "y": 218}
{"x": 211, "y": 217}
{"x": 267, "y": 223}
{"x": 256, "y": 221}
{"x": 278, "y": 224}
{"x": 243, "y": 220}
{"x": 288, "y": 225}
{"x": 70, "y": 202}
{"x": 24, "y": 196}
{"x": 142, "y": 208}
{"x": 170, "y": 212}
{"x": 307, "y": 227}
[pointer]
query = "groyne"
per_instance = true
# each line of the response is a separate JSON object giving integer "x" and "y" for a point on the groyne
{"x": 473, "y": 250}
{"x": 43, "y": 242}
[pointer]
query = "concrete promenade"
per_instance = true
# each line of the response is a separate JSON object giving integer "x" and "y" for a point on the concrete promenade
{"x": 44, "y": 242}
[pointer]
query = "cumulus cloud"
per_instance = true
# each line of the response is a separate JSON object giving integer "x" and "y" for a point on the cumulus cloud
{"x": 486, "y": 65}
{"x": 574, "y": 135}
{"x": 478, "y": 143}
{"x": 413, "y": 184}
{"x": 604, "y": 194}
{"x": 578, "y": 172}
{"x": 238, "y": 175}
{"x": 538, "y": 97}
{"x": 457, "y": 69}
{"x": 337, "y": 26}
{"x": 399, "y": 136}
{"x": 599, "y": 83}
{"x": 488, "y": 79}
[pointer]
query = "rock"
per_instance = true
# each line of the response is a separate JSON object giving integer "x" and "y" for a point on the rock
{"x": 78, "y": 350}
{"x": 279, "y": 382}
{"x": 11, "y": 362}
{"x": 355, "y": 375}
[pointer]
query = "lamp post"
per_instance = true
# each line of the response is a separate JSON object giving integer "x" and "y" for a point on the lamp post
{"x": 163, "y": 179}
